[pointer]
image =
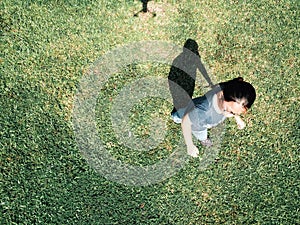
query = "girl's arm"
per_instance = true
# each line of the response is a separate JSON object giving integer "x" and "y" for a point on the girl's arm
{"x": 186, "y": 126}
{"x": 241, "y": 124}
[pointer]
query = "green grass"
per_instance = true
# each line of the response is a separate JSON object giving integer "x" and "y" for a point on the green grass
{"x": 48, "y": 46}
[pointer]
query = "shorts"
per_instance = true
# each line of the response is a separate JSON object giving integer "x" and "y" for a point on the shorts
{"x": 200, "y": 135}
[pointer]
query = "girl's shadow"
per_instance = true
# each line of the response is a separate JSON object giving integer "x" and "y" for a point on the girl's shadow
{"x": 182, "y": 75}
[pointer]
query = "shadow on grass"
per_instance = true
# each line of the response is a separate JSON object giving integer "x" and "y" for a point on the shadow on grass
{"x": 182, "y": 75}
{"x": 145, "y": 9}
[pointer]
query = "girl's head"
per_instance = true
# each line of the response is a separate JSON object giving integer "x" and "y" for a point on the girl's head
{"x": 238, "y": 95}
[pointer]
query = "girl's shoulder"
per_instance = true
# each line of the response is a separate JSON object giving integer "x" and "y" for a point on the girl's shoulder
{"x": 201, "y": 103}
{"x": 204, "y": 102}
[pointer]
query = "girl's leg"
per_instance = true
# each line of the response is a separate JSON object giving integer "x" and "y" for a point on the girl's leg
{"x": 202, "y": 137}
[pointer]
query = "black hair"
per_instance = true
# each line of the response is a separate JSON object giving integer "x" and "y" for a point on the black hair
{"x": 237, "y": 90}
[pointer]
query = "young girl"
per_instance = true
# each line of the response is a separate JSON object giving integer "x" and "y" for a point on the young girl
{"x": 228, "y": 99}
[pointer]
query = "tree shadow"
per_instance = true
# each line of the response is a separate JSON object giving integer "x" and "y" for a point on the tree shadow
{"x": 145, "y": 9}
{"x": 182, "y": 75}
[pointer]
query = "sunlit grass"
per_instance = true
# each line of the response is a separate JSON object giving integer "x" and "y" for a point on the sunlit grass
{"x": 48, "y": 46}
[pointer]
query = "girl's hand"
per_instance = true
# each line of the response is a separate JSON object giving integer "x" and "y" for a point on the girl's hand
{"x": 193, "y": 151}
{"x": 186, "y": 125}
{"x": 240, "y": 123}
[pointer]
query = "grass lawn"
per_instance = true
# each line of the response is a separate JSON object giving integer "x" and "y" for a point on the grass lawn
{"x": 47, "y": 47}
